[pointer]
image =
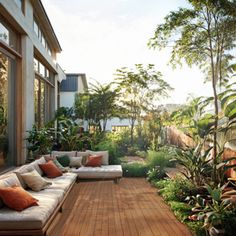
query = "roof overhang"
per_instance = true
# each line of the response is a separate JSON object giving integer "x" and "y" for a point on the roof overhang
{"x": 44, "y": 20}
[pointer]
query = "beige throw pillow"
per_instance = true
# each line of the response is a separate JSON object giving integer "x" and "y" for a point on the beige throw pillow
{"x": 34, "y": 181}
{"x": 76, "y": 161}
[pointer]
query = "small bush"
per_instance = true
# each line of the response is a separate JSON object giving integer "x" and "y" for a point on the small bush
{"x": 181, "y": 210}
{"x": 155, "y": 174}
{"x": 176, "y": 189}
{"x": 160, "y": 158}
{"x": 135, "y": 170}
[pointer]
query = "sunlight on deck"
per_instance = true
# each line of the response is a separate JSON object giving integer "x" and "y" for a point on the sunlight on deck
{"x": 103, "y": 208}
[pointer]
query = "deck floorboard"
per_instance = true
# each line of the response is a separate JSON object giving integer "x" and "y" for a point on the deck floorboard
{"x": 102, "y": 208}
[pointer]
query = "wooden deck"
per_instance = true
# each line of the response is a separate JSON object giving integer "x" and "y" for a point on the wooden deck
{"x": 103, "y": 208}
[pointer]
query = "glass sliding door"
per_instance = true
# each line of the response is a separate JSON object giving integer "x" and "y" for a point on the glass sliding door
{"x": 44, "y": 92}
{"x": 7, "y": 130}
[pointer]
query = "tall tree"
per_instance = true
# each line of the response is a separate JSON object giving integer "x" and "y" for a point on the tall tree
{"x": 96, "y": 105}
{"x": 105, "y": 98}
{"x": 139, "y": 88}
{"x": 203, "y": 34}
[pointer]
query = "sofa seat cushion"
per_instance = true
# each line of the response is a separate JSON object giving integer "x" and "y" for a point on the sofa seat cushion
{"x": 103, "y": 172}
{"x": 63, "y": 182}
{"x": 34, "y": 217}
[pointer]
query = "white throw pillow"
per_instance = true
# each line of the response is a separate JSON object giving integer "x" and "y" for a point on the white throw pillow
{"x": 76, "y": 161}
{"x": 9, "y": 180}
{"x": 34, "y": 181}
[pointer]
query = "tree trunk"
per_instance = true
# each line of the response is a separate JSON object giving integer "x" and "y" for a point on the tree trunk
{"x": 104, "y": 125}
{"x": 214, "y": 82}
{"x": 132, "y": 132}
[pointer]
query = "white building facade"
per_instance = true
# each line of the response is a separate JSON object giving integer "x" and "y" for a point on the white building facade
{"x": 29, "y": 75}
{"x": 74, "y": 83}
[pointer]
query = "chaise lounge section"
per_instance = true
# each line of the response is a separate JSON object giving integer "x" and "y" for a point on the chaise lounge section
{"x": 34, "y": 220}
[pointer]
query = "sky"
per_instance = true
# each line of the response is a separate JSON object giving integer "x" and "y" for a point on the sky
{"x": 98, "y": 37}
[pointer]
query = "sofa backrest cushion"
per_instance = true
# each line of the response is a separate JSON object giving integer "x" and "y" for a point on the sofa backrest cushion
{"x": 50, "y": 170}
{"x": 34, "y": 181}
{"x": 17, "y": 198}
{"x": 60, "y": 153}
{"x": 9, "y": 180}
{"x": 104, "y": 154}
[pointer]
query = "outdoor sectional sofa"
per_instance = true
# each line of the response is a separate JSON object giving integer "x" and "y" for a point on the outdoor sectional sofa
{"x": 35, "y": 220}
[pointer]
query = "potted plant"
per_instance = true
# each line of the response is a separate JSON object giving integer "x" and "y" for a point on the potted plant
{"x": 40, "y": 141}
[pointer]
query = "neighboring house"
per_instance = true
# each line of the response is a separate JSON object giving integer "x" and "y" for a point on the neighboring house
{"x": 116, "y": 124}
{"x": 29, "y": 75}
{"x": 74, "y": 83}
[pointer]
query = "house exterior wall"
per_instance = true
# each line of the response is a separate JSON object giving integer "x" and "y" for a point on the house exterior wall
{"x": 67, "y": 97}
{"x": 30, "y": 47}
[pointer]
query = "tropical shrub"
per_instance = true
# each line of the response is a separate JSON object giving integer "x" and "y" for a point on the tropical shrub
{"x": 196, "y": 163}
{"x": 156, "y": 173}
{"x": 112, "y": 148}
{"x": 158, "y": 158}
{"x": 67, "y": 134}
{"x": 40, "y": 141}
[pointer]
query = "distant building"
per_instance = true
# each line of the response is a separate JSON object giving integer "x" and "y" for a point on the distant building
{"x": 116, "y": 124}
{"x": 74, "y": 83}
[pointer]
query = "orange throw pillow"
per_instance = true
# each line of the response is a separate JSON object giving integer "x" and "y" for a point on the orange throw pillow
{"x": 94, "y": 161}
{"x": 17, "y": 198}
{"x": 50, "y": 170}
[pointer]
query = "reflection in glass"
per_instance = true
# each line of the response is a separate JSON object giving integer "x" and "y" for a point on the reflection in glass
{"x": 4, "y": 74}
{"x": 41, "y": 69}
{"x": 4, "y": 34}
{"x": 42, "y": 103}
{"x": 36, "y": 101}
{"x": 8, "y": 36}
